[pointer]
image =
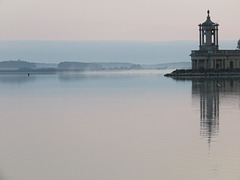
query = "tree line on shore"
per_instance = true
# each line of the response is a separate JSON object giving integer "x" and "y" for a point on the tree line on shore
{"x": 20, "y": 65}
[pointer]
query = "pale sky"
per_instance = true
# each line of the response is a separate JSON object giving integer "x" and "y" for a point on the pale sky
{"x": 134, "y": 20}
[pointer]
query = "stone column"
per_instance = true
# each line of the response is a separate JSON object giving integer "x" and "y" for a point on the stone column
{"x": 217, "y": 34}
{"x": 200, "y": 36}
{"x": 211, "y": 63}
{"x": 215, "y": 63}
{"x": 194, "y": 64}
{"x": 205, "y": 63}
{"x": 214, "y": 38}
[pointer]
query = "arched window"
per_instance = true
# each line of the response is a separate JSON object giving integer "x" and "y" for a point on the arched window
{"x": 204, "y": 37}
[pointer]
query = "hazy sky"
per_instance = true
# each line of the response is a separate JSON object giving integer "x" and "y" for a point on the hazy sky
{"x": 142, "y": 20}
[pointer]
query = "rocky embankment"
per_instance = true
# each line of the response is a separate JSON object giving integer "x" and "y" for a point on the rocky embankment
{"x": 204, "y": 73}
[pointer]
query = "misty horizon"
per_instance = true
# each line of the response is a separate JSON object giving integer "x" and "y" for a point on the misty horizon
{"x": 141, "y": 52}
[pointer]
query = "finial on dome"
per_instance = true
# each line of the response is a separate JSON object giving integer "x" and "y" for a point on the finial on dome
{"x": 208, "y": 12}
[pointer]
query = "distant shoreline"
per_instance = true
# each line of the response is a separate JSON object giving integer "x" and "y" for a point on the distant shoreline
{"x": 20, "y": 67}
{"x": 57, "y": 71}
{"x": 26, "y": 71}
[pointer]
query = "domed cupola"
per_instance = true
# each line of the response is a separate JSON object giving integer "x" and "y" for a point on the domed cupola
{"x": 208, "y": 34}
{"x": 208, "y": 22}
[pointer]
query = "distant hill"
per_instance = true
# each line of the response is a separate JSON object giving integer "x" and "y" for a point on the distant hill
{"x": 96, "y": 66}
{"x": 84, "y": 66}
{"x": 120, "y": 65}
{"x": 46, "y": 65}
{"x": 16, "y": 65}
{"x": 79, "y": 66}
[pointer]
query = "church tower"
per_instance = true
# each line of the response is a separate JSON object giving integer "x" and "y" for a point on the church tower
{"x": 208, "y": 35}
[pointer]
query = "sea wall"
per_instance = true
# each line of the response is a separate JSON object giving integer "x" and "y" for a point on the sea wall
{"x": 204, "y": 73}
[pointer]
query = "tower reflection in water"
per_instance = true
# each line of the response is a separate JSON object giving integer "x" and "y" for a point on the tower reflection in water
{"x": 210, "y": 92}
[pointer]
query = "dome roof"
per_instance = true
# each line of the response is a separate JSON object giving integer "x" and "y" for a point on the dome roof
{"x": 208, "y": 22}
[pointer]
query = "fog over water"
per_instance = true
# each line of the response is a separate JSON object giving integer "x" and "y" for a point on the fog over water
{"x": 118, "y": 125}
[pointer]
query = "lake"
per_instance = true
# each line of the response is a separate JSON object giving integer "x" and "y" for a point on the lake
{"x": 123, "y": 125}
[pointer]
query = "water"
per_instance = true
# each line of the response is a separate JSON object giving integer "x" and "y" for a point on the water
{"x": 127, "y": 125}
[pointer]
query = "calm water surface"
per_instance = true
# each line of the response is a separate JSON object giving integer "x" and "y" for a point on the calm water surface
{"x": 128, "y": 125}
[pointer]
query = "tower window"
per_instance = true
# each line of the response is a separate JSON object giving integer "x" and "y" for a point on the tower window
{"x": 213, "y": 37}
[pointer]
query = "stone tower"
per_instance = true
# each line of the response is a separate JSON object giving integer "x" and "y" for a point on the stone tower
{"x": 209, "y": 56}
{"x": 208, "y": 35}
